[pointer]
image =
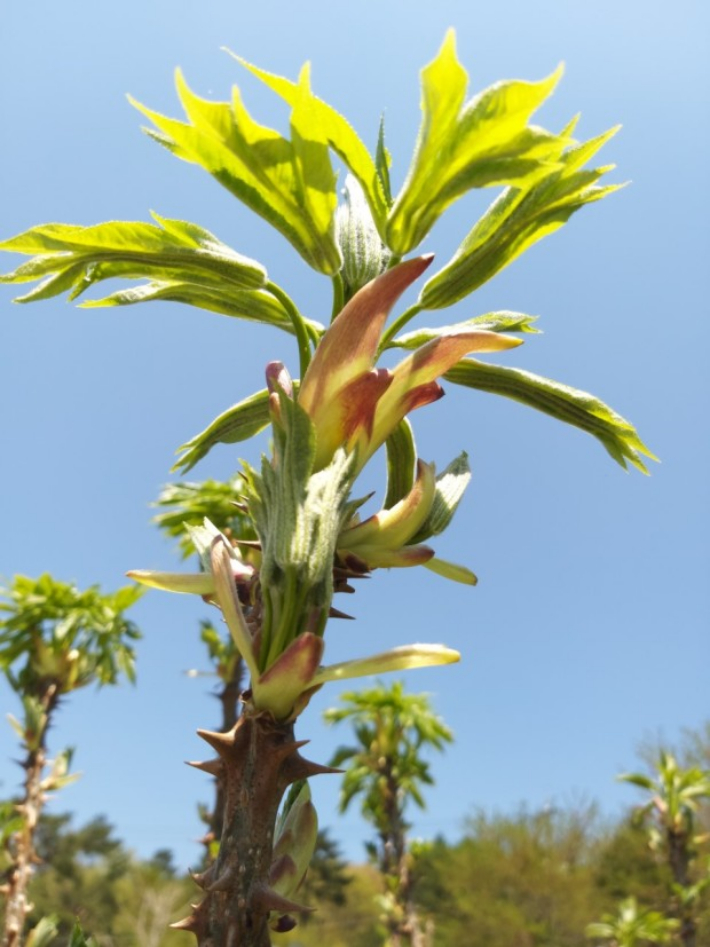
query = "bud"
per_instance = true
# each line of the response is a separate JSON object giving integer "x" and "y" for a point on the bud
{"x": 364, "y": 254}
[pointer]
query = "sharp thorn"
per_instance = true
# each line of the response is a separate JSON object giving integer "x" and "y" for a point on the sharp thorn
{"x": 213, "y": 767}
{"x": 266, "y": 899}
{"x": 336, "y": 613}
{"x": 221, "y": 742}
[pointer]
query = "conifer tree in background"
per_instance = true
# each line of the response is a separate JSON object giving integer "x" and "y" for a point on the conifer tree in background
{"x": 304, "y": 538}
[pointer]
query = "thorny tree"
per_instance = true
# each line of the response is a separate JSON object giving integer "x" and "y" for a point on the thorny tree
{"x": 276, "y": 591}
{"x": 54, "y": 640}
{"x": 386, "y": 768}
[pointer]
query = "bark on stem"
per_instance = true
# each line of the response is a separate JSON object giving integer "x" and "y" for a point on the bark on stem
{"x": 257, "y": 760}
{"x": 18, "y": 905}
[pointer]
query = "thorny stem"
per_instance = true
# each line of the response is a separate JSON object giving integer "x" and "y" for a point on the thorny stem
{"x": 679, "y": 857}
{"x": 256, "y": 761}
{"x": 405, "y": 927}
{"x": 229, "y": 700}
{"x": 18, "y": 905}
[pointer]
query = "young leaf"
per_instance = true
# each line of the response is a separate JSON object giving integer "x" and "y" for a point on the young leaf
{"x": 260, "y": 167}
{"x": 328, "y": 125}
{"x": 486, "y": 142}
{"x": 516, "y": 220}
{"x": 448, "y": 491}
{"x": 451, "y": 570}
{"x": 401, "y": 458}
{"x": 383, "y": 161}
{"x": 397, "y": 659}
{"x": 255, "y": 305}
{"x": 502, "y": 321}
{"x": 575, "y": 407}
{"x": 73, "y": 258}
{"x": 238, "y": 423}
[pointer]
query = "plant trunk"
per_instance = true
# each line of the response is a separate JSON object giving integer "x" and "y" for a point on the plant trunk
{"x": 18, "y": 905}
{"x": 229, "y": 701}
{"x": 679, "y": 858}
{"x": 404, "y": 927}
{"x": 257, "y": 760}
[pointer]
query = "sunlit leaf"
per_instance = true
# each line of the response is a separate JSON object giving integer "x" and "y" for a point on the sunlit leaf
{"x": 451, "y": 570}
{"x": 567, "y": 404}
{"x": 72, "y": 258}
{"x": 289, "y": 183}
{"x": 503, "y": 321}
{"x": 516, "y": 220}
{"x": 328, "y": 125}
{"x": 398, "y": 659}
{"x": 485, "y": 142}
{"x": 254, "y": 306}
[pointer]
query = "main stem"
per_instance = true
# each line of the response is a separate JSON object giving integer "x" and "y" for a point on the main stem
{"x": 18, "y": 904}
{"x": 405, "y": 927}
{"x": 679, "y": 857}
{"x": 229, "y": 701}
{"x": 256, "y": 761}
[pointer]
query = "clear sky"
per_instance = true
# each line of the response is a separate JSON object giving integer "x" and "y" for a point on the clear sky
{"x": 589, "y": 627}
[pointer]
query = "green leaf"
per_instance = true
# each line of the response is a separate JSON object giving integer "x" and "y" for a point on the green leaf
{"x": 637, "y": 779}
{"x": 449, "y": 489}
{"x": 451, "y": 570}
{"x": 238, "y": 423}
{"x": 44, "y": 932}
{"x": 254, "y": 306}
{"x": 72, "y": 258}
{"x": 383, "y": 162}
{"x": 575, "y": 407}
{"x": 329, "y": 126}
{"x": 79, "y": 938}
{"x": 485, "y": 142}
{"x": 401, "y": 458}
{"x": 290, "y": 184}
{"x": 516, "y": 220}
{"x": 397, "y": 659}
{"x": 502, "y": 321}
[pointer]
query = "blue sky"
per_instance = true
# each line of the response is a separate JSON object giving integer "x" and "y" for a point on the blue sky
{"x": 589, "y": 627}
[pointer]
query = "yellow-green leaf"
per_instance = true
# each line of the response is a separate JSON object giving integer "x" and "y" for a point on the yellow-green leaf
{"x": 516, "y": 220}
{"x": 72, "y": 258}
{"x": 259, "y": 166}
{"x": 486, "y": 142}
{"x": 328, "y": 125}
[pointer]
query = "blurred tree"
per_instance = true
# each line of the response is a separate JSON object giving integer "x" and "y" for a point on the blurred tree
{"x": 54, "y": 639}
{"x": 387, "y": 770}
{"x": 670, "y": 814}
{"x": 533, "y": 875}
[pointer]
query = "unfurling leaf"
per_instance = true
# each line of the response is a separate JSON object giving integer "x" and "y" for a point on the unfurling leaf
{"x": 567, "y": 404}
